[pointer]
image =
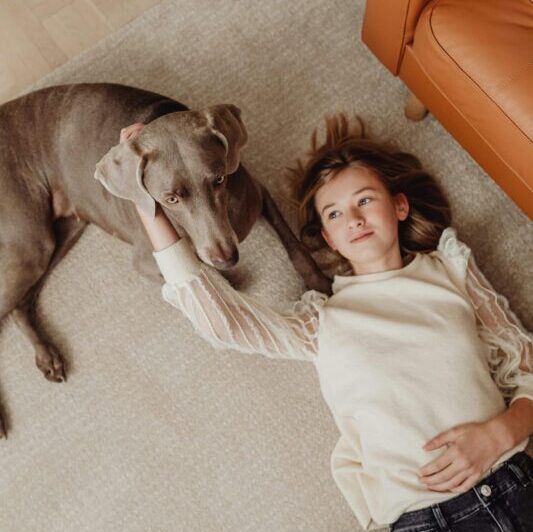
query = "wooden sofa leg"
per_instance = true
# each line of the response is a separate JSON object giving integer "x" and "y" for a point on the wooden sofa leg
{"x": 415, "y": 109}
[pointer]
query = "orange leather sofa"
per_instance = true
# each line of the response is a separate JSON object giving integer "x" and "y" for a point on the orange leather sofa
{"x": 470, "y": 63}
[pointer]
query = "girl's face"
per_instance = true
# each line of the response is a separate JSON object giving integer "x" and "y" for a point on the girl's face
{"x": 348, "y": 212}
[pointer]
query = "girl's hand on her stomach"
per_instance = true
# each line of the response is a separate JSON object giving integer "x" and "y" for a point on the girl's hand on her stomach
{"x": 471, "y": 449}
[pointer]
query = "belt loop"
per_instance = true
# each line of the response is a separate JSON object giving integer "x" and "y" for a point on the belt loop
{"x": 440, "y": 518}
{"x": 520, "y": 475}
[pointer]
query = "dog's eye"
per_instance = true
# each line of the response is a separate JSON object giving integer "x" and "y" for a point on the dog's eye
{"x": 172, "y": 199}
{"x": 220, "y": 179}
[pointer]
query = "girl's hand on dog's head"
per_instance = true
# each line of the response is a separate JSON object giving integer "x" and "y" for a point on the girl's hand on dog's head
{"x": 130, "y": 131}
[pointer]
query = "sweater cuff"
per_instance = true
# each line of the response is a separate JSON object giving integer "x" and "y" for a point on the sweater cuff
{"x": 522, "y": 390}
{"x": 178, "y": 262}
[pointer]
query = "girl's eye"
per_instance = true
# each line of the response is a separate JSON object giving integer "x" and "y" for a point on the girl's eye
{"x": 330, "y": 217}
{"x": 220, "y": 179}
{"x": 172, "y": 200}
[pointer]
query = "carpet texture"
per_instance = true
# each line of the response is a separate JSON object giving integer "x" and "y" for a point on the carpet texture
{"x": 154, "y": 430}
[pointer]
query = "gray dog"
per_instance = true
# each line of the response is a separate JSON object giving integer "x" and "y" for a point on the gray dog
{"x": 52, "y": 140}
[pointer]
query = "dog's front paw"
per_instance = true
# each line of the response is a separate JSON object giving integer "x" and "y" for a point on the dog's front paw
{"x": 50, "y": 363}
{"x": 318, "y": 281}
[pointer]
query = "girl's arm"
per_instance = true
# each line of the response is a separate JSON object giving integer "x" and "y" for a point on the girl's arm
{"x": 514, "y": 424}
{"x": 474, "y": 447}
{"x": 223, "y": 316}
{"x": 159, "y": 230}
{"x": 511, "y": 356}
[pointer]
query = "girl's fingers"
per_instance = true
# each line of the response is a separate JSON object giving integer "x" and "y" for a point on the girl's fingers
{"x": 130, "y": 131}
{"x": 442, "y": 476}
{"x": 126, "y": 133}
{"x": 453, "y": 483}
{"x": 437, "y": 465}
{"x": 470, "y": 482}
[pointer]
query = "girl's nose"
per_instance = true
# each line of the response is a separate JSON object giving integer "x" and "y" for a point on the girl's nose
{"x": 355, "y": 217}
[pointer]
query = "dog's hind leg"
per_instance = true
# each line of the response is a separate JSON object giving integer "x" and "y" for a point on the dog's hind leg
{"x": 23, "y": 260}
{"x": 67, "y": 231}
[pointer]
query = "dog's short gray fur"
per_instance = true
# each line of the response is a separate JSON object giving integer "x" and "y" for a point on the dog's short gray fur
{"x": 55, "y": 141}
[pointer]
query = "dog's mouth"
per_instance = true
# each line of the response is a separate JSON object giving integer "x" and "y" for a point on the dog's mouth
{"x": 220, "y": 256}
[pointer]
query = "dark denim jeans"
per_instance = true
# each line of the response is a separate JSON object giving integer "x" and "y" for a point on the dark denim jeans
{"x": 501, "y": 502}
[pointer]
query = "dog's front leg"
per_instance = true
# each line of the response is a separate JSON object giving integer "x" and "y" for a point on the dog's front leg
{"x": 299, "y": 255}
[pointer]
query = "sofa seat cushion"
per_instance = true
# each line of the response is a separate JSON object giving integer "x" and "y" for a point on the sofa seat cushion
{"x": 479, "y": 54}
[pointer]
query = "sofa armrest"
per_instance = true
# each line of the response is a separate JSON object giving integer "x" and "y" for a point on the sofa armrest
{"x": 388, "y": 26}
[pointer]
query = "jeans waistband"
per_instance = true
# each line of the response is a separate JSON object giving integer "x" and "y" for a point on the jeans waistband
{"x": 517, "y": 469}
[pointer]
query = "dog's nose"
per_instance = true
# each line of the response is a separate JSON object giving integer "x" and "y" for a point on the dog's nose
{"x": 221, "y": 263}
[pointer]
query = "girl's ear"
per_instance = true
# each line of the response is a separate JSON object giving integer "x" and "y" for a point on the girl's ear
{"x": 328, "y": 239}
{"x": 402, "y": 206}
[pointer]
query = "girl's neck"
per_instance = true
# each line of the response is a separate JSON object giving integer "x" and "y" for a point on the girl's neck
{"x": 392, "y": 260}
{"x": 405, "y": 260}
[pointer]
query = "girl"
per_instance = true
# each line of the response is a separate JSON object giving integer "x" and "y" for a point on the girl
{"x": 415, "y": 351}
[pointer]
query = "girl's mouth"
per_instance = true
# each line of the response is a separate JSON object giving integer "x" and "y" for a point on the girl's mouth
{"x": 362, "y": 238}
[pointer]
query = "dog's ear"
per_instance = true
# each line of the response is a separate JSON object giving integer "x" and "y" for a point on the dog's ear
{"x": 121, "y": 171}
{"x": 225, "y": 122}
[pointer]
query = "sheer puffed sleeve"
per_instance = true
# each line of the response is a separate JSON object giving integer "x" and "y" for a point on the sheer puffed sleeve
{"x": 510, "y": 353}
{"x": 229, "y": 319}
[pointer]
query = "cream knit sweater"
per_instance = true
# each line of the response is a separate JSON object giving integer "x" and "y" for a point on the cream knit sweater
{"x": 401, "y": 355}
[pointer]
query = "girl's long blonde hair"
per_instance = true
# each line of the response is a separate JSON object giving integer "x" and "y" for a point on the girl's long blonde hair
{"x": 346, "y": 146}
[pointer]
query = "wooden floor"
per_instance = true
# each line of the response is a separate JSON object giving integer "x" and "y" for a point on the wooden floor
{"x": 37, "y": 36}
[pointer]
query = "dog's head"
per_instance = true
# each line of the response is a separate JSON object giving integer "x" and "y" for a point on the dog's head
{"x": 183, "y": 161}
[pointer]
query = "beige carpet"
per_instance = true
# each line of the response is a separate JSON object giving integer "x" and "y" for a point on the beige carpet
{"x": 154, "y": 430}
